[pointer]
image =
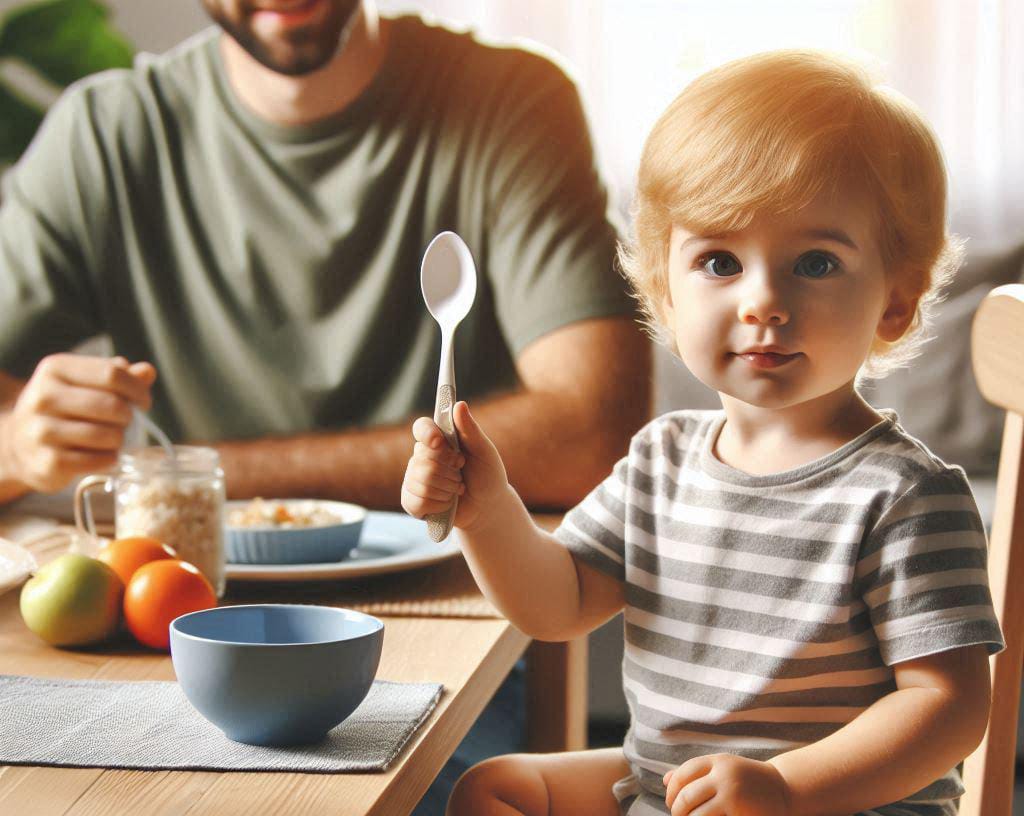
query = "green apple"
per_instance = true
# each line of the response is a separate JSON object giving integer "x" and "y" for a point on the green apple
{"x": 72, "y": 601}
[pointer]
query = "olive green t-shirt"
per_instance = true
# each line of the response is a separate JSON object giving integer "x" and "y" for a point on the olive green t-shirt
{"x": 272, "y": 273}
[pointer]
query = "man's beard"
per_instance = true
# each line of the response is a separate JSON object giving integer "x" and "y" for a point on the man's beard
{"x": 297, "y": 52}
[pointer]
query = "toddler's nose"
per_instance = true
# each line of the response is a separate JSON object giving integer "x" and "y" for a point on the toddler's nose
{"x": 761, "y": 302}
{"x": 771, "y": 317}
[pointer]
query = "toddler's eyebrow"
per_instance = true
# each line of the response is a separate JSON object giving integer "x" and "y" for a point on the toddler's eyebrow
{"x": 821, "y": 233}
{"x": 696, "y": 239}
{"x": 836, "y": 235}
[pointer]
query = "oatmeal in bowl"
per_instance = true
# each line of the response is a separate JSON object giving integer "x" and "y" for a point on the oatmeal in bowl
{"x": 291, "y": 531}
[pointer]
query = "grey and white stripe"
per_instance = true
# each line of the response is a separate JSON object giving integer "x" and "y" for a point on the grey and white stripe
{"x": 763, "y": 613}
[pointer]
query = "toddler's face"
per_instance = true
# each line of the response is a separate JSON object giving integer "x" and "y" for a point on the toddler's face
{"x": 785, "y": 310}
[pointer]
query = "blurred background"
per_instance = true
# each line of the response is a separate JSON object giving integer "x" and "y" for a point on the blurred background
{"x": 960, "y": 61}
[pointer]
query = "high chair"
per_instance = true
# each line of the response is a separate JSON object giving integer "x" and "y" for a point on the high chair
{"x": 997, "y": 348}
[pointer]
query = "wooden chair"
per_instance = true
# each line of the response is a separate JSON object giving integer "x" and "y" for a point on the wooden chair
{"x": 997, "y": 347}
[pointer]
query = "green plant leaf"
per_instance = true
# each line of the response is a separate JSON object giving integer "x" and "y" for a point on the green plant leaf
{"x": 64, "y": 40}
{"x": 20, "y": 122}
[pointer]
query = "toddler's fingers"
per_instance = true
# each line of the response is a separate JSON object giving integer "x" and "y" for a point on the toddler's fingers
{"x": 443, "y": 454}
{"x": 695, "y": 798}
{"x": 687, "y": 772}
{"x": 424, "y": 430}
{"x": 435, "y": 474}
{"x": 472, "y": 436}
{"x": 430, "y": 491}
{"x": 418, "y": 507}
{"x": 674, "y": 785}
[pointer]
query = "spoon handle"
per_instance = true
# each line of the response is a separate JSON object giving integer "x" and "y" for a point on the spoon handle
{"x": 439, "y": 525}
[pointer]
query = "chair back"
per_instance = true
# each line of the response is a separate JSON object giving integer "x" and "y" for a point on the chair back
{"x": 997, "y": 351}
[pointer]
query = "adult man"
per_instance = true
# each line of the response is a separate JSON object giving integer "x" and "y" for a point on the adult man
{"x": 248, "y": 213}
{"x": 245, "y": 215}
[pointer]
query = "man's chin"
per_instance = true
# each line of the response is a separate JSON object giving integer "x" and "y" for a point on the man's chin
{"x": 296, "y": 59}
{"x": 298, "y": 66}
{"x": 301, "y": 51}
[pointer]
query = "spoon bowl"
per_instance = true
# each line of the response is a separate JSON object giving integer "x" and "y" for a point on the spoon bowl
{"x": 448, "y": 283}
{"x": 448, "y": 279}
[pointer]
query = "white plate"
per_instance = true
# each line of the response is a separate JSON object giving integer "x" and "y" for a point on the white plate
{"x": 389, "y": 542}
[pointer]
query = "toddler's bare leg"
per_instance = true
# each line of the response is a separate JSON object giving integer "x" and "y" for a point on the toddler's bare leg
{"x": 579, "y": 782}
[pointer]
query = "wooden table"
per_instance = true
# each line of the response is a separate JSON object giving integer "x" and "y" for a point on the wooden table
{"x": 469, "y": 656}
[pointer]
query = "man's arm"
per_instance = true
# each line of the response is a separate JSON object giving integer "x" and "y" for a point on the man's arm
{"x": 10, "y": 487}
{"x": 904, "y": 741}
{"x": 585, "y": 389}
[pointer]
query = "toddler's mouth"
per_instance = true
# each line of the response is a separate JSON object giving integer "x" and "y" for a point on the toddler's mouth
{"x": 767, "y": 359}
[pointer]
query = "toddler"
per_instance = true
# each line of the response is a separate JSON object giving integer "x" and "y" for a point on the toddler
{"x": 807, "y": 613}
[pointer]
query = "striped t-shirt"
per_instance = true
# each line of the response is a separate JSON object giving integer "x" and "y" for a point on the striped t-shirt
{"x": 765, "y": 612}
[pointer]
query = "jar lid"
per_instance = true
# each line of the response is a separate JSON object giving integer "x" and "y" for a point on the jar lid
{"x": 188, "y": 459}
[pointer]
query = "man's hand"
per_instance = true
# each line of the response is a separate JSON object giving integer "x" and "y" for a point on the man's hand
{"x": 70, "y": 418}
{"x": 726, "y": 785}
{"x": 436, "y": 473}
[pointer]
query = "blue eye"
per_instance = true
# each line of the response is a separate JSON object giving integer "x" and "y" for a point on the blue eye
{"x": 719, "y": 265}
{"x": 815, "y": 265}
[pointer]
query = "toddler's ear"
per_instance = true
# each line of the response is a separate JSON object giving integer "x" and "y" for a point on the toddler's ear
{"x": 667, "y": 310}
{"x": 899, "y": 310}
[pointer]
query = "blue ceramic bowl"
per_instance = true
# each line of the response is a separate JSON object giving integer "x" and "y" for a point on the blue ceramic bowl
{"x": 295, "y": 545}
{"x": 276, "y": 674}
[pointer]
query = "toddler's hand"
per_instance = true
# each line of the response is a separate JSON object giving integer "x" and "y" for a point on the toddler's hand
{"x": 436, "y": 473}
{"x": 726, "y": 785}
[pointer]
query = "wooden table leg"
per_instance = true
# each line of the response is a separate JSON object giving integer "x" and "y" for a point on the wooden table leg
{"x": 556, "y": 696}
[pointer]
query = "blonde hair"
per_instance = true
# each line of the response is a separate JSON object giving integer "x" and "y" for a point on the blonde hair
{"x": 765, "y": 135}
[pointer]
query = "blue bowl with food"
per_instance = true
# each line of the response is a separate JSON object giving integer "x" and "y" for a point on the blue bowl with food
{"x": 291, "y": 531}
{"x": 276, "y": 674}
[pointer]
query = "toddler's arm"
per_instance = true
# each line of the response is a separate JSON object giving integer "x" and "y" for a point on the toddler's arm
{"x": 895, "y": 747}
{"x": 903, "y": 742}
{"x": 532, "y": 579}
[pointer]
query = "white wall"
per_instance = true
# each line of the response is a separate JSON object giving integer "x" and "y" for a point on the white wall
{"x": 150, "y": 25}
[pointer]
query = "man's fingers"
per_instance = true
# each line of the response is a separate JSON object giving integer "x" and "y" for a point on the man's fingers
{"x": 146, "y": 372}
{"x": 99, "y": 373}
{"x": 80, "y": 462}
{"x": 75, "y": 402}
{"x": 51, "y": 469}
{"x": 73, "y": 434}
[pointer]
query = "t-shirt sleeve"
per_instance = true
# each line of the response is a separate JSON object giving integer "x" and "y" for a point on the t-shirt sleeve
{"x": 47, "y": 301}
{"x": 922, "y": 572}
{"x": 595, "y": 530}
{"x": 551, "y": 239}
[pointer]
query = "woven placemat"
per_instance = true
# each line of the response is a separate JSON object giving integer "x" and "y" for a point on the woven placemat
{"x": 444, "y": 590}
{"x": 151, "y": 725}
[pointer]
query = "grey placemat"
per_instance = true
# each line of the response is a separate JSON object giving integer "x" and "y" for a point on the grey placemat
{"x": 96, "y": 723}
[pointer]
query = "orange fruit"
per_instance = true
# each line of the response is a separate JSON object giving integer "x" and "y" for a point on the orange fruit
{"x": 125, "y": 555}
{"x": 159, "y": 592}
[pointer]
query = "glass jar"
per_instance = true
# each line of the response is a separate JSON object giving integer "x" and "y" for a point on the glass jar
{"x": 179, "y": 501}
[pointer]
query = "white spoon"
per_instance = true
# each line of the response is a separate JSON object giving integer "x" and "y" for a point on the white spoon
{"x": 154, "y": 430}
{"x": 448, "y": 281}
